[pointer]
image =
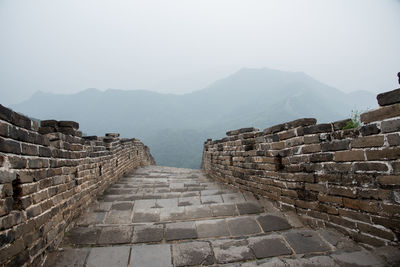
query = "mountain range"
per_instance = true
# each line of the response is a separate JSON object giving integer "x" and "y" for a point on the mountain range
{"x": 175, "y": 126}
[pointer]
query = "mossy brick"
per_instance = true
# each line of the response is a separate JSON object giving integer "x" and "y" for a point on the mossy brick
{"x": 389, "y": 98}
{"x": 9, "y": 146}
{"x": 368, "y": 141}
{"x": 339, "y": 125}
{"x": 381, "y": 113}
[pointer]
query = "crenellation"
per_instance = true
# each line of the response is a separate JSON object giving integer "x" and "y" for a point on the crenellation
{"x": 346, "y": 179}
{"x": 48, "y": 176}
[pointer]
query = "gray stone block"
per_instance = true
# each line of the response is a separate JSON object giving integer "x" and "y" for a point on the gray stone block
{"x": 193, "y": 253}
{"x": 151, "y": 256}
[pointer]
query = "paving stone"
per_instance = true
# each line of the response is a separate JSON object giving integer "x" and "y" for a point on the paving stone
{"x": 108, "y": 256}
{"x": 67, "y": 257}
{"x": 231, "y": 250}
{"x": 91, "y": 218}
{"x": 167, "y": 203}
{"x": 103, "y": 206}
{"x": 273, "y": 223}
{"x": 144, "y": 204}
{"x": 331, "y": 236}
{"x": 316, "y": 261}
{"x": 122, "y": 206}
{"x": 118, "y": 217}
{"x": 151, "y": 215}
{"x": 180, "y": 230}
{"x": 148, "y": 233}
{"x": 390, "y": 254}
{"x": 243, "y": 226}
{"x": 151, "y": 256}
{"x": 305, "y": 241}
{"x": 274, "y": 262}
{"x": 115, "y": 235}
{"x": 83, "y": 235}
{"x": 193, "y": 253}
{"x": 357, "y": 258}
{"x": 268, "y": 246}
{"x": 210, "y": 192}
{"x": 223, "y": 210}
{"x": 249, "y": 208}
{"x": 233, "y": 198}
{"x": 172, "y": 214}
{"x": 189, "y": 201}
{"x": 195, "y": 212}
{"x": 212, "y": 228}
{"x": 211, "y": 199}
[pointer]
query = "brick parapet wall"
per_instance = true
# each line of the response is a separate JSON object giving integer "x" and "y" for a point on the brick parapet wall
{"x": 347, "y": 179}
{"x": 48, "y": 176}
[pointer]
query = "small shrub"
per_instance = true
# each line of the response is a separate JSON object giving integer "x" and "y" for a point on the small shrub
{"x": 355, "y": 120}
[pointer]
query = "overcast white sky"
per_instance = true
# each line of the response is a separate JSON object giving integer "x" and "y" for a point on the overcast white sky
{"x": 65, "y": 46}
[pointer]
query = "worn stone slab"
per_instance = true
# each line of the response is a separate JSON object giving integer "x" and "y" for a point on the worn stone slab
{"x": 273, "y": 262}
{"x": 151, "y": 215}
{"x": 268, "y": 246}
{"x": 193, "y": 253}
{"x": 91, "y": 218}
{"x": 357, "y": 258}
{"x": 108, "y": 256}
{"x": 212, "y": 228}
{"x": 210, "y": 192}
{"x": 180, "y": 230}
{"x": 118, "y": 217}
{"x": 148, "y": 233}
{"x": 194, "y": 212}
{"x": 122, "y": 206}
{"x": 316, "y": 261}
{"x": 172, "y": 214}
{"x": 231, "y": 250}
{"x": 233, "y": 198}
{"x": 305, "y": 241}
{"x": 249, "y": 208}
{"x": 144, "y": 204}
{"x": 273, "y": 223}
{"x": 83, "y": 235}
{"x": 243, "y": 226}
{"x": 151, "y": 256}
{"x": 67, "y": 257}
{"x": 103, "y": 206}
{"x": 115, "y": 235}
{"x": 211, "y": 199}
{"x": 223, "y": 210}
{"x": 167, "y": 203}
{"x": 189, "y": 201}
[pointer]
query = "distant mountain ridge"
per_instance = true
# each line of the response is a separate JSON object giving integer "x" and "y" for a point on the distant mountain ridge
{"x": 175, "y": 126}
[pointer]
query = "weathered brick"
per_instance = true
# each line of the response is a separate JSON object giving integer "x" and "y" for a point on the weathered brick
{"x": 330, "y": 199}
{"x": 393, "y": 139}
{"x": 17, "y": 162}
{"x": 353, "y": 155}
{"x": 388, "y": 179}
{"x": 383, "y": 154}
{"x": 375, "y": 231}
{"x": 374, "y": 193}
{"x": 9, "y": 146}
{"x": 390, "y": 126}
{"x": 381, "y": 113}
{"x": 339, "y": 125}
{"x": 364, "y": 205}
{"x": 335, "y": 145}
{"x": 4, "y": 129}
{"x": 311, "y": 139}
{"x": 321, "y": 157}
{"x": 311, "y": 148}
{"x": 369, "y": 129}
{"x": 287, "y": 134}
{"x": 370, "y": 166}
{"x": 389, "y": 98}
{"x": 30, "y": 150}
{"x": 319, "y": 128}
{"x": 342, "y": 191}
{"x": 368, "y": 141}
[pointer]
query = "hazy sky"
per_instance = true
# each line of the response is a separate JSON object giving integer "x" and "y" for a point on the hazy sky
{"x": 65, "y": 46}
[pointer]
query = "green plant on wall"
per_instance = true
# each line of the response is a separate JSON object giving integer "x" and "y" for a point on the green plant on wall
{"x": 355, "y": 120}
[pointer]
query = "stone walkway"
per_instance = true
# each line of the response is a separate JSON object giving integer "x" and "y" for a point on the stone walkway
{"x": 162, "y": 216}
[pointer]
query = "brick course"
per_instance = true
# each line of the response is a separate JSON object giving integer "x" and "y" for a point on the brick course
{"x": 48, "y": 176}
{"x": 347, "y": 179}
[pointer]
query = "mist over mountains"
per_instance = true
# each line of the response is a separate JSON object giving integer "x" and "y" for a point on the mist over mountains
{"x": 175, "y": 126}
